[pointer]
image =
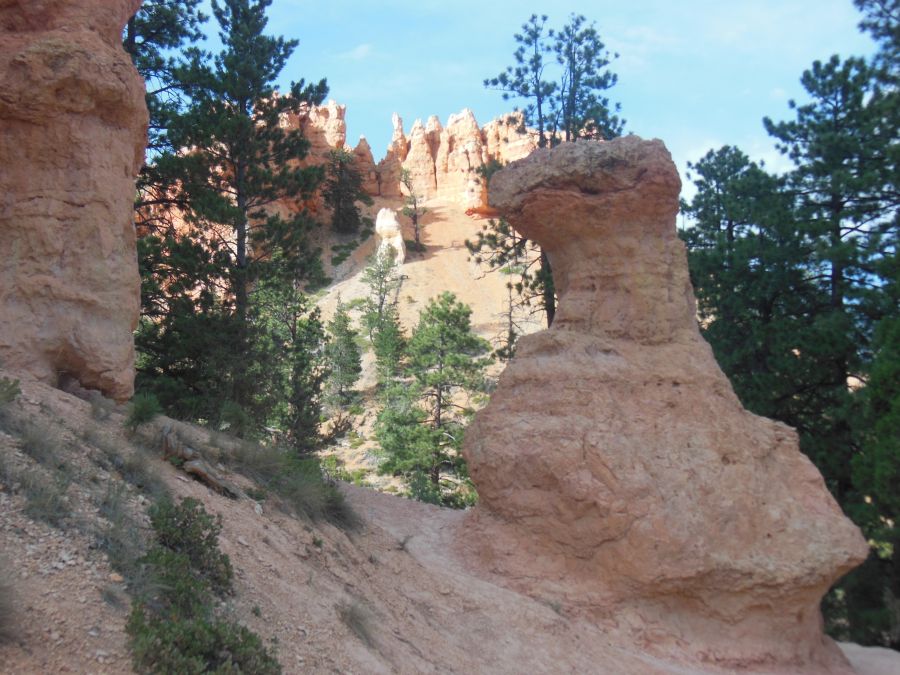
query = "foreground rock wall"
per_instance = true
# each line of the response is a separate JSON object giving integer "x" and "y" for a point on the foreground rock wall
{"x": 617, "y": 471}
{"x": 72, "y": 134}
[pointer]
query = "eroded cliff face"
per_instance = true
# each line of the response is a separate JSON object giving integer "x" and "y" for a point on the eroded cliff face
{"x": 617, "y": 471}
{"x": 72, "y": 135}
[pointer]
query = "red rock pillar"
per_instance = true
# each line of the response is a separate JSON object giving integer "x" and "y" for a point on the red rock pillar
{"x": 73, "y": 128}
{"x": 617, "y": 471}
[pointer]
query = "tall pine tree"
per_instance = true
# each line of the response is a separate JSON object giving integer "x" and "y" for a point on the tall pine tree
{"x": 241, "y": 162}
{"x": 421, "y": 426}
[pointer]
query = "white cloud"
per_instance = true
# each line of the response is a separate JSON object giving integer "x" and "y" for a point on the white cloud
{"x": 358, "y": 53}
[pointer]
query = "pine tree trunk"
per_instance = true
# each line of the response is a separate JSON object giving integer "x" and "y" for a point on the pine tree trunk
{"x": 549, "y": 296}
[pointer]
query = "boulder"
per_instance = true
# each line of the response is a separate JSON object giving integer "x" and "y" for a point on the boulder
{"x": 73, "y": 128}
{"x": 618, "y": 473}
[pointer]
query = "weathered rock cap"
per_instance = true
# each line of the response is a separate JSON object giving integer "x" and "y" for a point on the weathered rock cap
{"x": 644, "y": 170}
{"x": 604, "y": 212}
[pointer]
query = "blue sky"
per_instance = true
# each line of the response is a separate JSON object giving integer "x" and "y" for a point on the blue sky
{"x": 695, "y": 73}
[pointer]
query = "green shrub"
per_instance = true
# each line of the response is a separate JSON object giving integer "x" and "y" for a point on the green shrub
{"x": 143, "y": 408}
{"x": 194, "y": 645}
{"x": 189, "y": 530}
{"x": 260, "y": 463}
{"x": 333, "y": 466}
{"x": 133, "y": 465}
{"x": 135, "y": 468}
{"x": 309, "y": 494}
{"x": 174, "y": 626}
{"x": 9, "y": 390}
{"x": 168, "y": 583}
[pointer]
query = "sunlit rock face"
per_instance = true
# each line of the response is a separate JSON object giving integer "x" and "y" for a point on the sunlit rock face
{"x": 445, "y": 162}
{"x": 364, "y": 162}
{"x": 617, "y": 471}
{"x": 390, "y": 236}
{"x": 72, "y": 135}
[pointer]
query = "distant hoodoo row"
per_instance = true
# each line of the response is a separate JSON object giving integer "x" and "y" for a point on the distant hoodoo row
{"x": 442, "y": 162}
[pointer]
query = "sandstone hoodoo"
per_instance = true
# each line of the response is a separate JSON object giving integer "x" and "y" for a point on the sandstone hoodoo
{"x": 617, "y": 471}
{"x": 72, "y": 133}
{"x": 390, "y": 236}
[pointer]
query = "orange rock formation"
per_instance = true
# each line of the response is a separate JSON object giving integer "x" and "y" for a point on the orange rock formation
{"x": 442, "y": 161}
{"x": 617, "y": 470}
{"x": 72, "y": 134}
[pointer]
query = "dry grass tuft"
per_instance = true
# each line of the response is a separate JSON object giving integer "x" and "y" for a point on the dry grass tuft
{"x": 45, "y": 496}
{"x": 358, "y": 619}
{"x": 8, "y": 619}
{"x": 42, "y": 442}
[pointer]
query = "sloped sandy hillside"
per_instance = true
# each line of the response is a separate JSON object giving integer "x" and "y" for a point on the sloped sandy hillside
{"x": 392, "y": 596}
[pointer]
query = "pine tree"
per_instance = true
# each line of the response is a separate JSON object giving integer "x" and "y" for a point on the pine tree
{"x": 525, "y": 79}
{"x": 342, "y": 190}
{"x": 153, "y": 37}
{"x": 574, "y": 108}
{"x": 389, "y": 345}
{"x": 383, "y": 281}
{"x": 412, "y": 206}
{"x": 285, "y": 358}
{"x": 230, "y": 250}
{"x": 798, "y": 284}
{"x": 580, "y": 110}
{"x": 503, "y": 251}
{"x": 421, "y": 426}
{"x": 342, "y": 356}
{"x": 841, "y": 145}
{"x": 244, "y": 158}
{"x": 757, "y": 305}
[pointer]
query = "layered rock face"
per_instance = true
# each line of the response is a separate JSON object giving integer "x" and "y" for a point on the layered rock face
{"x": 72, "y": 134}
{"x": 616, "y": 469}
